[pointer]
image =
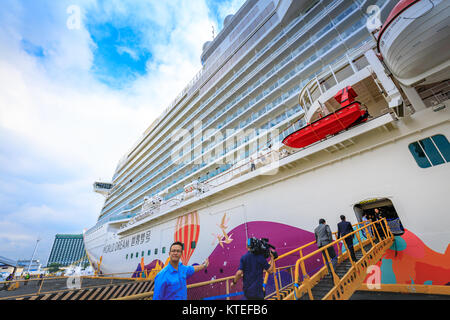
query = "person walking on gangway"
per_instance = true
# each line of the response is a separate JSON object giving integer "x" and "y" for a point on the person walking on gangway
{"x": 344, "y": 228}
{"x": 323, "y": 237}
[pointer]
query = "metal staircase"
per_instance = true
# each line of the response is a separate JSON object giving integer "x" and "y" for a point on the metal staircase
{"x": 346, "y": 277}
{"x": 324, "y": 286}
{"x": 321, "y": 289}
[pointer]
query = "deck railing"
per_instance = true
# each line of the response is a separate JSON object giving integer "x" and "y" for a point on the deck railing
{"x": 378, "y": 236}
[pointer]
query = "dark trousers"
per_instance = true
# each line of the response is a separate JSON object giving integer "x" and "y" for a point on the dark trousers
{"x": 349, "y": 242}
{"x": 332, "y": 255}
{"x": 379, "y": 234}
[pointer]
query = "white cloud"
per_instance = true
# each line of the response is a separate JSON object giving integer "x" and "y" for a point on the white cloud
{"x": 69, "y": 121}
{"x": 132, "y": 53}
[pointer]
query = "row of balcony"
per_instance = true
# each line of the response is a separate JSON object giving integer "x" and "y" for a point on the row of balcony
{"x": 349, "y": 11}
{"x": 243, "y": 69}
{"x": 348, "y": 32}
{"x": 351, "y": 29}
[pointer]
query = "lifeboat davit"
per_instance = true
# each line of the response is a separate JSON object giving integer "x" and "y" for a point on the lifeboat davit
{"x": 415, "y": 41}
{"x": 350, "y": 114}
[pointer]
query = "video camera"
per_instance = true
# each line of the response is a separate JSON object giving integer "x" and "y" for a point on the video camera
{"x": 261, "y": 246}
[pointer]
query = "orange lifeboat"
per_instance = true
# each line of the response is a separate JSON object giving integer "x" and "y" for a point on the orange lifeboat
{"x": 350, "y": 114}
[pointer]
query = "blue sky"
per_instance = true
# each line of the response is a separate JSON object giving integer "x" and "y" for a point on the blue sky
{"x": 80, "y": 81}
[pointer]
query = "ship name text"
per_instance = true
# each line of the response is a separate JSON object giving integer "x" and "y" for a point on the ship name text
{"x": 135, "y": 240}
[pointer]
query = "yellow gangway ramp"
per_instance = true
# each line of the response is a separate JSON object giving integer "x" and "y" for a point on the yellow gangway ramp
{"x": 345, "y": 278}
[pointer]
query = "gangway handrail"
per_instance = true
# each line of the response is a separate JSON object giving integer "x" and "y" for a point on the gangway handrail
{"x": 388, "y": 237}
{"x": 335, "y": 242}
{"x": 341, "y": 238}
{"x": 300, "y": 249}
{"x": 189, "y": 286}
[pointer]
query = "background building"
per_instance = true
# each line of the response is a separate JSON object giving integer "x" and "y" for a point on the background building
{"x": 6, "y": 267}
{"x": 68, "y": 248}
{"x": 34, "y": 266}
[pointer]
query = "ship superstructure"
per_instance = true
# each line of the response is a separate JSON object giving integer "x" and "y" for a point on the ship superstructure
{"x": 212, "y": 170}
{"x": 255, "y": 88}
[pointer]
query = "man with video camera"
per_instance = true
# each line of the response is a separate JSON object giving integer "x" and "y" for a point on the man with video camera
{"x": 251, "y": 267}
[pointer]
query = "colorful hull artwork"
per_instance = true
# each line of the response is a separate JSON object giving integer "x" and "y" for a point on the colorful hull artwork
{"x": 410, "y": 261}
{"x": 148, "y": 271}
{"x": 224, "y": 259}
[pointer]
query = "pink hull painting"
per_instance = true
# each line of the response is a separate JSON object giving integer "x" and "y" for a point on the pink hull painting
{"x": 408, "y": 261}
{"x": 224, "y": 260}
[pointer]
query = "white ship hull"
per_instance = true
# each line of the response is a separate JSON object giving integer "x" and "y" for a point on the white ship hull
{"x": 314, "y": 184}
{"x": 369, "y": 165}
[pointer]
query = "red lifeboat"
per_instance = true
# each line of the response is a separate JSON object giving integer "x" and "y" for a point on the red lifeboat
{"x": 350, "y": 114}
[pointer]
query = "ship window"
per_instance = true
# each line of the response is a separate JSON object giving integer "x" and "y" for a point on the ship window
{"x": 156, "y": 251}
{"x": 193, "y": 245}
{"x": 149, "y": 251}
{"x": 137, "y": 254}
{"x": 126, "y": 257}
{"x": 142, "y": 253}
{"x": 131, "y": 257}
{"x": 431, "y": 151}
{"x": 419, "y": 155}
{"x": 164, "y": 250}
{"x": 443, "y": 146}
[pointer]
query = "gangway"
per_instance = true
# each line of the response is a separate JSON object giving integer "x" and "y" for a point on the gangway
{"x": 373, "y": 241}
{"x": 322, "y": 287}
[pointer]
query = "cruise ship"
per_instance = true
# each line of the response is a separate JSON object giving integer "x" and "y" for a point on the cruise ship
{"x": 228, "y": 159}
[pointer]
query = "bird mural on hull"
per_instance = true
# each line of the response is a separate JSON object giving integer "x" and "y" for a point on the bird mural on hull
{"x": 224, "y": 237}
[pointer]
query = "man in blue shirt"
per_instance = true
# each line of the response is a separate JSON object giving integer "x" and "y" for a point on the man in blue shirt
{"x": 251, "y": 268}
{"x": 170, "y": 282}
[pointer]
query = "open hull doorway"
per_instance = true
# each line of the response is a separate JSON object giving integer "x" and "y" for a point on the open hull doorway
{"x": 377, "y": 208}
